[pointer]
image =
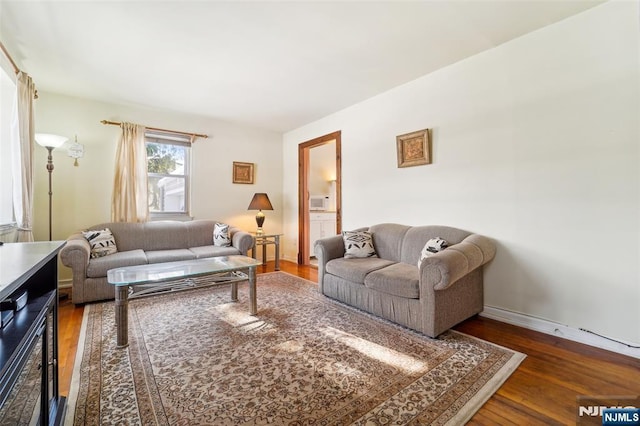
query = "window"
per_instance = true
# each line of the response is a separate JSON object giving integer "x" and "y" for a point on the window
{"x": 168, "y": 158}
{"x": 7, "y": 109}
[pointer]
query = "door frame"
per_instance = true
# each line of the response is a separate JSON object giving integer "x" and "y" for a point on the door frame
{"x": 303, "y": 191}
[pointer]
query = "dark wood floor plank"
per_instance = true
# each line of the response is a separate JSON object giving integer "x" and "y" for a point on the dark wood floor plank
{"x": 555, "y": 401}
{"x": 503, "y": 411}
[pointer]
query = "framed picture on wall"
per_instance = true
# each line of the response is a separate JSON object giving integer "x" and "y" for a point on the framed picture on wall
{"x": 414, "y": 149}
{"x": 242, "y": 172}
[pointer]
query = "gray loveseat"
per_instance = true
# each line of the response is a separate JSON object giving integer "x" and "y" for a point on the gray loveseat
{"x": 445, "y": 290}
{"x": 141, "y": 243}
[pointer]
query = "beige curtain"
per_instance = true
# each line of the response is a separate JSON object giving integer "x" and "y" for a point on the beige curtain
{"x": 23, "y": 136}
{"x": 129, "y": 200}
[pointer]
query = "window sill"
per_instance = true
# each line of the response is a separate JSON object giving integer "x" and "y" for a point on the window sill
{"x": 154, "y": 217}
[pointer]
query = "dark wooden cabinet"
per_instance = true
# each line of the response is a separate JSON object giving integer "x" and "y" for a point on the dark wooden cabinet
{"x": 29, "y": 392}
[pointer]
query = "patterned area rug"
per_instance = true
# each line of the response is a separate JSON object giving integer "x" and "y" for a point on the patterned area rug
{"x": 194, "y": 358}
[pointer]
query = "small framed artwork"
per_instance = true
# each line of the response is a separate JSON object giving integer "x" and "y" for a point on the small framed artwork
{"x": 242, "y": 172}
{"x": 414, "y": 149}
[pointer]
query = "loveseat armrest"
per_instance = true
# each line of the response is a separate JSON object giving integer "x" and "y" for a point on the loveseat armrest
{"x": 326, "y": 249}
{"x": 446, "y": 267}
{"x": 241, "y": 240}
{"x": 329, "y": 248}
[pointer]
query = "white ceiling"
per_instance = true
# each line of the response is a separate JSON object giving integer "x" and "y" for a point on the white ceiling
{"x": 268, "y": 64}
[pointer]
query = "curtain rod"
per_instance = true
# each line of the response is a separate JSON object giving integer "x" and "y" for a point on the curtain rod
{"x": 4, "y": 50}
{"x": 193, "y": 135}
{"x": 13, "y": 64}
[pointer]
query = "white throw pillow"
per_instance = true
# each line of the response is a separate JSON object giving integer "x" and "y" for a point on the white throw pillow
{"x": 102, "y": 242}
{"x": 433, "y": 246}
{"x": 358, "y": 244}
{"x": 221, "y": 237}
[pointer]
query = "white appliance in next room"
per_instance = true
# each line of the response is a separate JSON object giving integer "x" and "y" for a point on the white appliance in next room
{"x": 318, "y": 202}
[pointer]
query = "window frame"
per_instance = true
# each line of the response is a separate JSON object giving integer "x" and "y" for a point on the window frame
{"x": 172, "y": 139}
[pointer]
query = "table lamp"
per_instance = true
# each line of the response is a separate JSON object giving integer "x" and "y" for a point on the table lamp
{"x": 260, "y": 201}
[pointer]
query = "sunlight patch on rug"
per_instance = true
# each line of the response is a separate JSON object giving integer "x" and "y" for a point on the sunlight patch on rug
{"x": 237, "y": 316}
{"x": 380, "y": 353}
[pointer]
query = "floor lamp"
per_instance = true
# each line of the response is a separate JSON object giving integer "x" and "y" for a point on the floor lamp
{"x": 50, "y": 142}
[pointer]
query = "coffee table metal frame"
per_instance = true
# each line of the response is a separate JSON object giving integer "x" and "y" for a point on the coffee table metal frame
{"x": 145, "y": 280}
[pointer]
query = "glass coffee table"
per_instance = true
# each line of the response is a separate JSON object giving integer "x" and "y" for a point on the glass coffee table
{"x": 149, "y": 279}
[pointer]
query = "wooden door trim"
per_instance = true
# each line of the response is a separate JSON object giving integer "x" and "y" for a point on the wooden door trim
{"x": 303, "y": 204}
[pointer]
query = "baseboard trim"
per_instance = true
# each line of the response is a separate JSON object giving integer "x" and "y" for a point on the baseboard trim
{"x": 64, "y": 283}
{"x": 559, "y": 330}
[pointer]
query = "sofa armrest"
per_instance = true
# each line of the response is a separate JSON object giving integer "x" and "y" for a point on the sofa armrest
{"x": 241, "y": 240}
{"x": 329, "y": 248}
{"x": 75, "y": 254}
{"x": 326, "y": 249}
{"x": 446, "y": 267}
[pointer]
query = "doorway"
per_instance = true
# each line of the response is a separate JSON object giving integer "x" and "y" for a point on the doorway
{"x": 306, "y": 184}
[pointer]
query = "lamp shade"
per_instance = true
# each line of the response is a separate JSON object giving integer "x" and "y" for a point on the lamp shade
{"x": 260, "y": 201}
{"x": 49, "y": 140}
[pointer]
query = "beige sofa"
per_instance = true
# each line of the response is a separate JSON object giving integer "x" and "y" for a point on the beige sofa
{"x": 141, "y": 243}
{"x": 445, "y": 290}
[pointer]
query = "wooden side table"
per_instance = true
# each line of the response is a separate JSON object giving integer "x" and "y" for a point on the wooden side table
{"x": 264, "y": 240}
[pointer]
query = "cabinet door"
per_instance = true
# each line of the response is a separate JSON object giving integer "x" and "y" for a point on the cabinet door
{"x": 315, "y": 233}
{"x": 321, "y": 225}
{"x": 328, "y": 227}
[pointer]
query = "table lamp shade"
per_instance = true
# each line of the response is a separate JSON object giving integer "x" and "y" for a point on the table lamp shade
{"x": 260, "y": 201}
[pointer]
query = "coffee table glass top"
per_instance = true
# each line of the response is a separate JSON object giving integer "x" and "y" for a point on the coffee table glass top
{"x": 154, "y": 272}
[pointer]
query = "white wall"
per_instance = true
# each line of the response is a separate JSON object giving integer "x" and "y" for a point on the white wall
{"x": 535, "y": 144}
{"x": 82, "y": 195}
{"x": 322, "y": 168}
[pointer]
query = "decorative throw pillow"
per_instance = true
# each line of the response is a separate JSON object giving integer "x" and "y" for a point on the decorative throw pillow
{"x": 101, "y": 241}
{"x": 434, "y": 245}
{"x": 358, "y": 244}
{"x": 221, "y": 237}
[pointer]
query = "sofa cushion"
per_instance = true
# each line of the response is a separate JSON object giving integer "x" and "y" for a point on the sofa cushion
{"x": 399, "y": 279}
{"x": 101, "y": 241}
{"x": 200, "y": 232}
{"x": 165, "y": 235}
{"x": 160, "y": 235}
{"x": 388, "y": 238}
{"x": 355, "y": 269}
{"x": 358, "y": 244}
{"x": 213, "y": 251}
{"x": 159, "y": 256}
{"x": 128, "y": 236}
{"x": 98, "y": 267}
{"x": 417, "y": 237}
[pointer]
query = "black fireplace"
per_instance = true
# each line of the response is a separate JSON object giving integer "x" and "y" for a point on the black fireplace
{"x": 29, "y": 341}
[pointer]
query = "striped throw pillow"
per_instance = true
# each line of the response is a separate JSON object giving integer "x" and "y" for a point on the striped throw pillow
{"x": 433, "y": 246}
{"x": 221, "y": 237}
{"x": 102, "y": 242}
{"x": 358, "y": 244}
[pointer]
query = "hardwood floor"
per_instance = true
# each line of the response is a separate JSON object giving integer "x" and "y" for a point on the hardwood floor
{"x": 542, "y": 391}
